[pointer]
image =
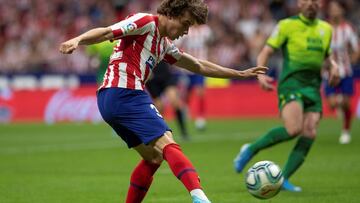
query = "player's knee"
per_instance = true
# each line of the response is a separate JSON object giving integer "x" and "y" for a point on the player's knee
{"x": 332, "y": 103}
{"x": 345, "y": 105}
{"x": 294, "y": 130}
{"x": 155, "y": 159}
{"x": 310, "y": 132}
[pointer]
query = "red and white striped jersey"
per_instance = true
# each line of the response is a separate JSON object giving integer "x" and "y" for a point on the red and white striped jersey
{"x": 344, "y": 38}
{"x": 139, "y": 49}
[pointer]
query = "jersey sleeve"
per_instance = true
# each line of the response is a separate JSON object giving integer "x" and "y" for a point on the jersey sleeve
{"x": 278, "y": 36}
{"x": 137, "y": 24}
{"x": 172, "y": 53}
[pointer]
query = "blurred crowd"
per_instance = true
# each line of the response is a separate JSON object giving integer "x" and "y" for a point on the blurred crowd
{"x": 31, "y": 30}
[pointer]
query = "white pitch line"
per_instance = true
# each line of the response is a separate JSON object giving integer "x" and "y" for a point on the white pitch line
{"x": 113, "y": 144}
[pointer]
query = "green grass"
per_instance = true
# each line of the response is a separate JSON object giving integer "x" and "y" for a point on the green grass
{"x": 87, "y": 163}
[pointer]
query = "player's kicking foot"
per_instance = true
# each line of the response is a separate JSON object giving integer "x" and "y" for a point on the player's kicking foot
{"x": 290, "y": 187}
{"x": 242, "y": 158}
{"x": 196, "y": 199}
{"x": 345, "y": 137}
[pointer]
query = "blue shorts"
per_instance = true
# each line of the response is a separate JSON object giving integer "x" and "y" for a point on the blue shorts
{"x": 196, "y": 80}
{"x": 131, "y": 114}
{"x": 189, "y": 80}
{"x": 345, "y": 87}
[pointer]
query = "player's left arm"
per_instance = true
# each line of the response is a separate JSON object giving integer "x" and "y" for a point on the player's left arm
{"x": 334, "y": 74}
{"x": 209, "y": 69}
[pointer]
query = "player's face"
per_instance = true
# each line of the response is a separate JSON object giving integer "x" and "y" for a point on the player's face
{"x": 178, "y": 27}
{"x": 335, "y": 10}
{"x": 309, "y": 8}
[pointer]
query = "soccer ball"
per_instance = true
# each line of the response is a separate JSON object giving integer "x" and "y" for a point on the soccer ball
{"x": 264, "y": 179}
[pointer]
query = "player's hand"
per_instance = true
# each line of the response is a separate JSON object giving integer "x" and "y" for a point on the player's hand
{"x": 254, "y": 71}
{"x": 265, "y": 82}
{"x": 69, "y": 46}
{"x": 334, "y": 77}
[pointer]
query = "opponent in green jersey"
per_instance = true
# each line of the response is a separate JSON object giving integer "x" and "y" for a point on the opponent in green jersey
{"x": 305, "y": 44}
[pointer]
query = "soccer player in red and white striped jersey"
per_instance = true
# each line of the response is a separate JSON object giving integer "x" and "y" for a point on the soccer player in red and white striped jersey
{"x": 145, "y": 40}
{"x": 345, "y": 51}
{"x": 196, "y": 44}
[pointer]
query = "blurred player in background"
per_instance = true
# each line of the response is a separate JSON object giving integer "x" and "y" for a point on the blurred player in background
{"x": 305, "y": 43}
{"x": 163, "y": 83}
{"x": 346, "y": 51}
{"x": 145, "y": 40}
{"x": 196, "y": 44}
{"x": 101, "y": 53}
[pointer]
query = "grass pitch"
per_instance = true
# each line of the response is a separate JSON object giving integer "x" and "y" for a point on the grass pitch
{"x": 66, "y": 163}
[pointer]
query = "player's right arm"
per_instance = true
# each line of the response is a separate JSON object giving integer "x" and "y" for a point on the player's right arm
{"x": 92, "y": 36}
{"x": 262, "y": 59}
{"x": 275, "y": 41}
{"x": 137, "y": 24}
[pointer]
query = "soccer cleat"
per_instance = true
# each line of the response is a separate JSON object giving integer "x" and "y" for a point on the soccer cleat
{"x": 242, "y": 158}
{"x": 200, "y": 124}
{"x": 290, "y": 187}
{"x": 196, "y": 199}
{"x": 345, "y": 138}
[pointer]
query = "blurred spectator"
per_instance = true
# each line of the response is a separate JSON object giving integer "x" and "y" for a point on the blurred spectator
{"x": 31, "y": 30}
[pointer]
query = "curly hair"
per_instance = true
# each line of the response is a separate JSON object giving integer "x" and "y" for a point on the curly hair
{"x": 175, "y": 8}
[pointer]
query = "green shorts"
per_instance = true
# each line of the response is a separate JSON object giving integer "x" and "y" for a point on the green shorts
{"x": 308, "y": 97}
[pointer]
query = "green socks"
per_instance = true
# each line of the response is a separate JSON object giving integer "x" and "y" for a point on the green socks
{"x": 297, "y": 156}
{"x": 277, "y": 135}
{"x": 274, "y": 136}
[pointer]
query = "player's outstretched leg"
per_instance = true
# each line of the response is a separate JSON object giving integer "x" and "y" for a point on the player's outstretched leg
{"x": 242, "y": 158}
{"x": 140, "y": 181}
{"x": 290, "y": 187}
{"x": 345, "y": 137}
{"x": 274, "y": 136}
{"x": 181, "y": 119}
{"x": 295, "y": 160}
{"x": 183, "y": 169}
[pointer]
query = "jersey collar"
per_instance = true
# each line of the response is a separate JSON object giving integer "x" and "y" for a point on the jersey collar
{"x": 306, "y": 20}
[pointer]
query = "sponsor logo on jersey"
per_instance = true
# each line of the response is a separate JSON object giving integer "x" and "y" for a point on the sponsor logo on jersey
{"x": 150, "y": 62}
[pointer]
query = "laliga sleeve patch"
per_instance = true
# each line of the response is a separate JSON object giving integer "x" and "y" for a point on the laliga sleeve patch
{"x": 129, "y": 28}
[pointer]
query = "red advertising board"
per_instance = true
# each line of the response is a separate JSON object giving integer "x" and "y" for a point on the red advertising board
{"x": 49, "y": 105}
{"x": 240, "y": 100}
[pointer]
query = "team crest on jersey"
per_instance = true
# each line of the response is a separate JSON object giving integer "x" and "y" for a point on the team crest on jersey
{"x": 129, "y": 27}
{"x": 150, "y": 62}
{"x": 321, "y": 32}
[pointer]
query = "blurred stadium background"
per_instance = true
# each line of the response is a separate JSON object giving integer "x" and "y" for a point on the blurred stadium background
{"x": 77, "y": 161}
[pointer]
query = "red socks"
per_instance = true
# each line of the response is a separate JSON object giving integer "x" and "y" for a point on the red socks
{"x": 142, "y": 175}
{"x": 140, "y": 181}
{"x": 347, "y": 119}
{"x": 201, "y": 112}
{"x": 181, "y": 167}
